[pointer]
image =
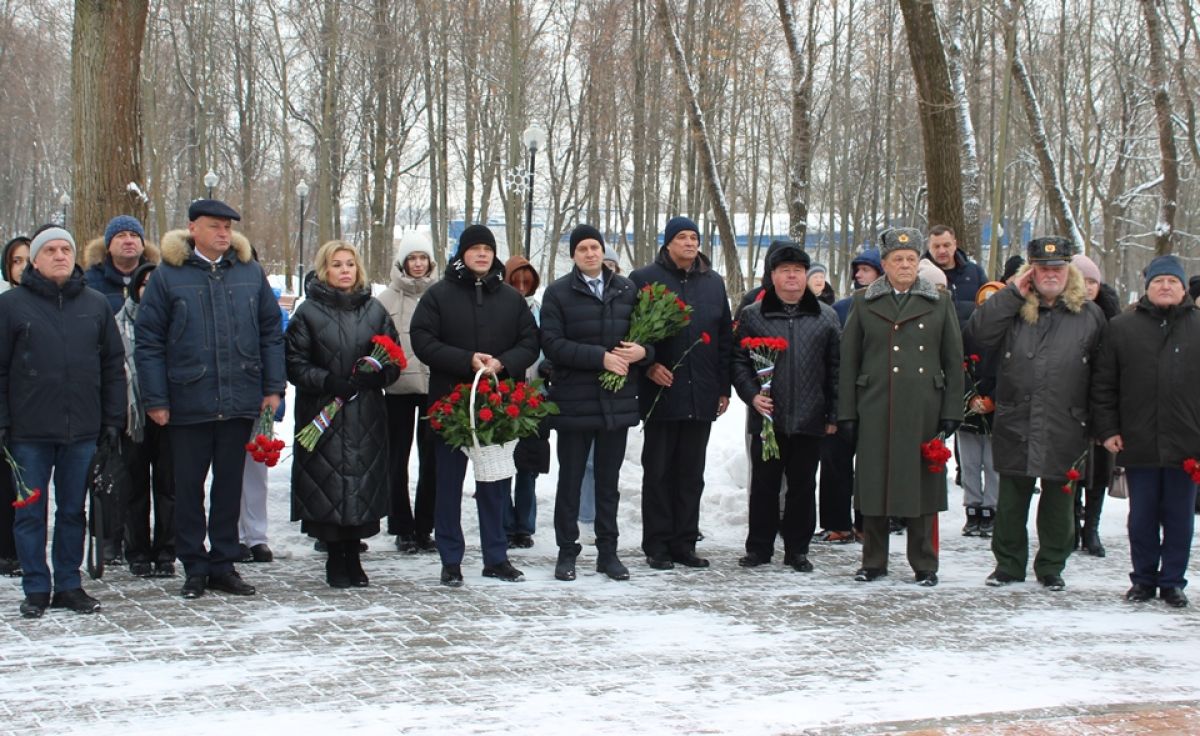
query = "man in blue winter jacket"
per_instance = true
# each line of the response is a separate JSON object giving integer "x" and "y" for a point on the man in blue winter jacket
{"x": 210, "y": 360}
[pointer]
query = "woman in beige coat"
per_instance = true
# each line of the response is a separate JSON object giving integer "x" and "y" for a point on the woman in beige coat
{"x": 413, "y": 272}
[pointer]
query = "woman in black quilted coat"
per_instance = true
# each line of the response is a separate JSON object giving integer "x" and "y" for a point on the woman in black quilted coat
{"x": 340, "y": 489}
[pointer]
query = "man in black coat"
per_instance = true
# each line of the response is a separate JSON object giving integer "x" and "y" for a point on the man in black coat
{"x": 1146, "y": 409}
{"x": 694, "y": 393}
{"x": 472, "y": 320}
{"x": 802, "y": 405}
{"x": 585, "y": 317}
{"x": 963, "y": 276}
{"x": 62, "y": 391}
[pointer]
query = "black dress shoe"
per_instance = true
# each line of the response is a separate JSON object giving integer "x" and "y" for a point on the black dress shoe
{"x": 520, "y": 541}
{"x": 869, "y": 574}
{"x": 75, "y": 600}
{"x": 612, "y": 567}
{"x": 797, "y": 562}
{"x": 564, "y": 569}
{"x": 660, "y": 563}
{"x": 141, "y": 569}
{"x": 425, "y": 543}
{"x": 1139, "y": 593}
{"x": 406, "y": 544}
{"x": 35, "y": 605}
{"x": 926, "y": 578}
{"x": 753, "y": 559}
{"x": 999, "y": 578}
{"x": 194, "y": 586}
{"x": 1173, "y": 597}
{"x": 452, "y": 576}
{"x": 10, "y": 566}
{"x": 503, "y": 571}
{"x": 261, "y": 553}
{"x": 1052, "y": 582}
{"x": 689, "y": 559}
{"x": 232, "y": 583}
{"x": 164, "y": 569}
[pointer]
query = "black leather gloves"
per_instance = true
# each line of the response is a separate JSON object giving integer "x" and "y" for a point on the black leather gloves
{"x": 339, "y": 387}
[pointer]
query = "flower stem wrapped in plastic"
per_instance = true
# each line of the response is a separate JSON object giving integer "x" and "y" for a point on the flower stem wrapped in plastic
{"x": 765, "y": 351}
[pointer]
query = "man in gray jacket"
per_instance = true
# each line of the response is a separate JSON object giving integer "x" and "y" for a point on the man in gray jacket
{"x": 1046, "y": 332}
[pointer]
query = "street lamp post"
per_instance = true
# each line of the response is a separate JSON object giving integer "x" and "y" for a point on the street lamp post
{"x": 65, "y": 201}
{"x": 302, "y": 193}
{"x": 535, "y": 138}
{"x": 210, "y": 181}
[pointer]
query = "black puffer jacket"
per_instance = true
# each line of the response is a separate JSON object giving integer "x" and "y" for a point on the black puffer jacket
{"x": 462, "y": 315}
{"x": 804, "y": 387}
{"x": 706, "y": 375}
{"x": 577, "y": 330}
{"x": 344, "y": 480}
{"x": 62, "y": 361}
{"x": 1144, "y": 385}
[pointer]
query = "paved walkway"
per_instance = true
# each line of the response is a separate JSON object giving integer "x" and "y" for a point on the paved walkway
{"x": 723, "y": 650}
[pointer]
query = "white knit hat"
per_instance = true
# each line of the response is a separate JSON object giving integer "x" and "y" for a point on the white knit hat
{"x": 411, "y": 242}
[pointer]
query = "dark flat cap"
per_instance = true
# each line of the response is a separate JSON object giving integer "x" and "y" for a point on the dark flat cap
{"x": 212, "y": 208}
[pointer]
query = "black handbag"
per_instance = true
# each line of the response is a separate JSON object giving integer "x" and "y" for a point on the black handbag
{"x": 107, "y": 481}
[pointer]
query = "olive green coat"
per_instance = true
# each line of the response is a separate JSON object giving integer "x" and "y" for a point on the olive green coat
{"x": 901, "y": 375}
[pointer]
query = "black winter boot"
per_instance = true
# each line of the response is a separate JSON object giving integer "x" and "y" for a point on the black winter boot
{"x": 335, "y": 565}
{"x": 987, "y": 521}
{"x": 971, "y": 528}
{"x": 564, "y": 569}
{"x": 1091, "y": 523}
{"x": 354, "y": 569}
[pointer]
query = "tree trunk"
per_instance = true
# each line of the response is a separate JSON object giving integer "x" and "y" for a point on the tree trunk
{"x": 733, "y": 269}
{"x": 106, "y": 140}
{"x": 1168, "y": 194}
{"x": 938, "y": 112}
{"x": 969, "y": 237}
{"x": 800, "y": 141}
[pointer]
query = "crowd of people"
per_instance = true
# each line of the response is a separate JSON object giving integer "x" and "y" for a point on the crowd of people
{"x": 174, "y": 357}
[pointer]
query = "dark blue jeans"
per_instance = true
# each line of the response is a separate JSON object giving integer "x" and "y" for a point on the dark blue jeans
{"x": 69, "y": 463}
{"x": 1161, "y": 522}
{"x": 490, "y": 499}
{"x": 520, "y": 513}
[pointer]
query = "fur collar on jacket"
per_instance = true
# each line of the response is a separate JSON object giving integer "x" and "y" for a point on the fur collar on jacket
{"x": 882, "y": 287}
{"x": 1072, "y": 298}
{"x": 177, "y": 246}
{"x": 95, "y": 252}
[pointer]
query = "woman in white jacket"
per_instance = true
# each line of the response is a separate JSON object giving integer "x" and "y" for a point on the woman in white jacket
{"x": 413, "y": 272}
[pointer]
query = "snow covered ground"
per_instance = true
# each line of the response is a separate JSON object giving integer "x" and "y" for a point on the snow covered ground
{"x": 724, "y": 650}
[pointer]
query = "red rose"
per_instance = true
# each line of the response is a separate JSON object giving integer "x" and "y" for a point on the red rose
{"x": 519, "y": 395}
{"x": 513, "y": 411}
{"x": 533, "y": 401}
{"x": 494, "y": 399}
{"x": 505, "y": 387}
{"x": 435, "y": 424}
{"x": 485, "y": 414}
{"x": 705, "y": 338}
{"x": 250, "y": 446}
{"x": 455, "y": 397}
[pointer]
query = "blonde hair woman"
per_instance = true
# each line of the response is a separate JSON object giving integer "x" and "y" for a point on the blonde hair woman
{"x": 339, "y": 490}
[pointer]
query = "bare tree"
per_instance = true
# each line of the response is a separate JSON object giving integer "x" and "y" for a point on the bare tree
{"x": 106, "y": 150}
{"x": 1164, "y": 229}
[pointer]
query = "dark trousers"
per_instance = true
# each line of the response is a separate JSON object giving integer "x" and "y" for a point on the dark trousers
{"x": 1160, "y": 500}
{"x": 8, "y": 546}
{"x": 151, "y": 477}
{"x": 1055, "y": 526}
{"x": 573, "y": 450}
{"x": 404, "y": 413}
{"x": 837, "y": 483}
{"x": 520, "y": 511}
{"x": 798, "y": 459}
{"x": 673, "y": 457}
{"x": 918, "y": 530}
{"x": 194, "y": 449}
{"x": 490, "y": 499}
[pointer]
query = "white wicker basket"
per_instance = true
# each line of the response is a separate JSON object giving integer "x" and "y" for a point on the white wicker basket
{"x": 491, "y": 462}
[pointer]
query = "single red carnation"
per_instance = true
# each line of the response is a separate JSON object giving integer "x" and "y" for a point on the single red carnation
{"x": 1073, "y": 474}
{"x": 250, "y": 446}
{"x": 435, "y": 424}
{"x": 513, "y": 410}
{"x": 485, "y": 414}
{"x": 495, "y": 399}
{"x": 705, "y": 338}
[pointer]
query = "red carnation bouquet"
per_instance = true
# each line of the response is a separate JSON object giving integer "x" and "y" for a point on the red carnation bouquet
{"x": 1192, "y": 468}
{"x": 264, "y": 448}
{"x": 25, "y": 495}
{"x": 765, "y": 351}
{"x": 936, "y": 454}
{"x": 384, "y": 352}
{"x": 504, "y": 411}
{"x": 658, "y": 314}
